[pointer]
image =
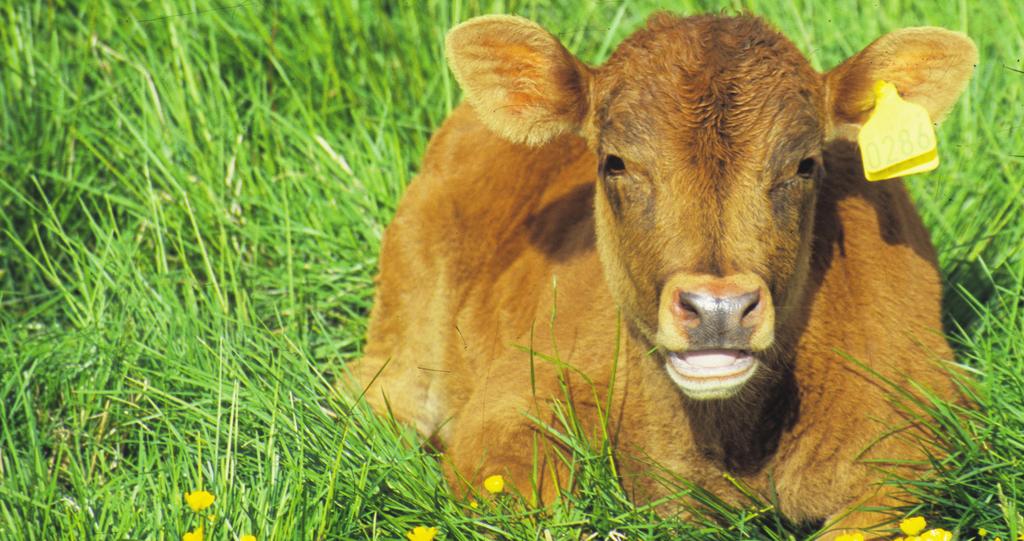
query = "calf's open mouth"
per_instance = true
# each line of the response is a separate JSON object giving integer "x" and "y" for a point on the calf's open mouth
{"x": 711, "y": 373}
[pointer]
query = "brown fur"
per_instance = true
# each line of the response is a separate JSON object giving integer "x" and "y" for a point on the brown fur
{"x": 497, "y": 245}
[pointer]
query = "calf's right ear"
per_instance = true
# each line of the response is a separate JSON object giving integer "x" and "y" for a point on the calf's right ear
{"x": 929, "y": 66}
{"x": 519, "y": 78}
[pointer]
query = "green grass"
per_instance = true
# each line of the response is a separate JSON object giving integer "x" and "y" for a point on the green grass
{"x": 193, "y": 195}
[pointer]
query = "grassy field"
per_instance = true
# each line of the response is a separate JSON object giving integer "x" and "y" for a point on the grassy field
{"x": 192, "y": 196}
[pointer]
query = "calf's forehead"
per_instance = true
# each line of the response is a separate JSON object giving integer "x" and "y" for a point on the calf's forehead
{"x": 708, "y": 91}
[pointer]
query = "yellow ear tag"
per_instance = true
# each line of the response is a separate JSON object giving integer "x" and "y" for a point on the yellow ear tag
{"x": 898, "y": 139}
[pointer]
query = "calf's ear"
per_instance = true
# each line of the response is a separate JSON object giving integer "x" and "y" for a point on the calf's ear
{"x": 929, "y": 66}
{"x": 518, "y": 77}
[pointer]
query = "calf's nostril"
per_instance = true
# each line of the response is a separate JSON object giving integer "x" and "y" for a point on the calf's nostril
{"x": 687, "y": 308}
{"x": 752, "y": 300}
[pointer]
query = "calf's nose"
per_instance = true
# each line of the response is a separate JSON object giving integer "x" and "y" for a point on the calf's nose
{"x": 721, "y": 312}
{"x": 709, "y": 312}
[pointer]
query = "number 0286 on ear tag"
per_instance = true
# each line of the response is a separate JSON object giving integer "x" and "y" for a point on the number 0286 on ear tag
{"x": 898, "y": 138}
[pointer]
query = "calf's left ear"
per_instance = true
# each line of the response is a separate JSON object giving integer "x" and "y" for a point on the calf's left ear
{"x": 518, "y": 77}
{"x": 929, "y": 66}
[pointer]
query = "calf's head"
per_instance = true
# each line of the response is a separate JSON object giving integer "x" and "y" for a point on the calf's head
{"x": 708, "y": 133}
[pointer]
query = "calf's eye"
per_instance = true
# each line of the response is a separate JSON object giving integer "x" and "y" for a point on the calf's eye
{"x": 806, "y": 168}
{"x": 613, "y": 165}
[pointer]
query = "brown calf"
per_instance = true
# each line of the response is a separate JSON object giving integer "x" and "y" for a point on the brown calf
{"x": 688, "y": 228}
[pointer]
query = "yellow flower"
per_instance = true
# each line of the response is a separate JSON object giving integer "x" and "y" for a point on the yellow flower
{"x": 938, "y": 534}
{"x": 494, "y": 484}
{"x": 194, "y": 535}
{"x": 851, "y": 537}
{"x": 473, "y": 504}
{"x": 421, "y": 533}
{"x": 912, "y": 525}
{"x": 982, "y": 532}
{"x": 199, "y": 500}
{"x": 247, "y": 537}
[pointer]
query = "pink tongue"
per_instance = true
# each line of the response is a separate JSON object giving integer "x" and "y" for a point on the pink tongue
{"x": 712, "y": 358}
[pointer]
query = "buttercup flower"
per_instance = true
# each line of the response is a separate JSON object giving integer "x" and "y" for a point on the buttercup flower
{"x": 912, "y": 525}
{"x": 851, "y": 537}
{"x": 938, "y": 534}
{"x": 494, "y": 484}
{"x": 982, "y": 532}
{"x": 194, "y": 535}
{"x": 421, "y": 533}
{"x": 247, "y": 537}
{"x": 199, "y": 500}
